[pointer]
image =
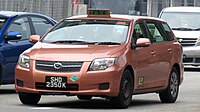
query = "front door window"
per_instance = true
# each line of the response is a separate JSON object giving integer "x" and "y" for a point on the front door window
{"x": 21, "y": 25}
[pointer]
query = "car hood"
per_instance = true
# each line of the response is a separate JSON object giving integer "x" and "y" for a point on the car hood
{"x": 187, "y": 34}
{"x": 65, "y": 52}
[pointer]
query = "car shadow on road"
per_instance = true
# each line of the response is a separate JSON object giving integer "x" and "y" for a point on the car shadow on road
{"x": 95, "y": 104}
{"x": 7, "y": 91}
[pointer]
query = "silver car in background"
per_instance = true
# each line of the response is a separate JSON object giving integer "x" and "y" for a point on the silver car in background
{"x": 185, "y": 23}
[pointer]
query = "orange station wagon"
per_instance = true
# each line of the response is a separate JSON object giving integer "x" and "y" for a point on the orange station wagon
{"x": 102, "y": 55}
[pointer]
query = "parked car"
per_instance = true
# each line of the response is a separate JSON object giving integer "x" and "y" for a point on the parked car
{"x": 15, "y": 29}
{"x": 112, "y": 56}
{"x": 186, "y": 26}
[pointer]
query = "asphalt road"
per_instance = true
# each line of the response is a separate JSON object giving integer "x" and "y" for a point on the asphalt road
{"x": 188, "y": 100}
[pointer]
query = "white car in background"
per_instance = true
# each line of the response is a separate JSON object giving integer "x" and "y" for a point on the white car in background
{"x": 185, "y": 24}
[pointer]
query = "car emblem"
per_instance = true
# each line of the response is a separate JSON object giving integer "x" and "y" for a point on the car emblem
{"x": 58, "y": 65}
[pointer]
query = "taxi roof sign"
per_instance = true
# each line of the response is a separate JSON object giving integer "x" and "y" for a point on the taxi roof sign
{"x": 98, "y": 13}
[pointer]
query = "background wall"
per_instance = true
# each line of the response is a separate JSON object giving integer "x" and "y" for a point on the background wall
{"x": 56, "y": 9}
{"x": 59, "y": 9}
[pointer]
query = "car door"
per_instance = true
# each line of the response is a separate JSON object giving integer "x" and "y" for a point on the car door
{"x": 162, "y": 56}
{"x": 13, "y": 48}
{"x": 143, "y": 59}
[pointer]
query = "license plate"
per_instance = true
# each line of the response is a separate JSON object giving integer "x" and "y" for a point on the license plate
{"x": 56, "y": 82}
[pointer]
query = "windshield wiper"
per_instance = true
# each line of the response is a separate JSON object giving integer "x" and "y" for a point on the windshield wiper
{"x": 108, "y": 43}
{"x": 197, "y": 29}
{"x": 84, "y": 42}
{"x": 72, "y": 42}
{"x": 183, "y": 29}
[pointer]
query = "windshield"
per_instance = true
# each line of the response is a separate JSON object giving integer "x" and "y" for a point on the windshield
{"x": 89, "y": 31}
{"x": 182, "y": 20}
{"x": 2, "y": 21}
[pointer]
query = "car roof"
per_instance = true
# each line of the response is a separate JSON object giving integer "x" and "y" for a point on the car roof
{"x": 182, "y": 9}
{"x": 118, "y": 16}
{"x": 8, "y": 14}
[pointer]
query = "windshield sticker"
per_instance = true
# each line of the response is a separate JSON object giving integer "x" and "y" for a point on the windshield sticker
{"x": 121, "y": 23}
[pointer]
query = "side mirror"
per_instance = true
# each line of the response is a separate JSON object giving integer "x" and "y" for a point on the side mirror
{"x": 13, "y": 36}
{"x": 143, "y": 42}
{"x": 34, "y": 38}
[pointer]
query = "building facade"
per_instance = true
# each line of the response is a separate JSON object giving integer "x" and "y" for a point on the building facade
{"x": 155, "y": 6}
{"x": 56, "y": 9}
{"x": 59, "y": 9}
{"x": 134, "y": 7}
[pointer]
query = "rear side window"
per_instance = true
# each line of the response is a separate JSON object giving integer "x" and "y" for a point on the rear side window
{"x": 2, "y": 21}
{"x": 155, "y": 32}
{"x": 168, "y": 31}
{"x": 41, "y": 25}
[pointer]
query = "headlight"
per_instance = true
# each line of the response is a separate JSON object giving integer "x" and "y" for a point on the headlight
{"x": 24, "y": 61}
{"x": 198, "y": 42}
{"x": 102, "y": 63}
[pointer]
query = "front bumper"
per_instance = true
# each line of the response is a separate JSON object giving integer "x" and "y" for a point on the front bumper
{"x": 191, "y": 56}
{"x": 33, "y": 81}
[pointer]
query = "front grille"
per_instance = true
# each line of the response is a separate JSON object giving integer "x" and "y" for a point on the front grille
{"x": 191, "y": 60}
{"x": 188, "y": 60}
{"x": 187, "y": 41}
{"x": 197, "y": 60}
{"x": 50, "y": 66}
{"x": 70, "y": 87}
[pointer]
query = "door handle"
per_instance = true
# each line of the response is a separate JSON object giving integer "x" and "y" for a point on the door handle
{"x": 153, "y": 52}
{"x": 169, "y": 50}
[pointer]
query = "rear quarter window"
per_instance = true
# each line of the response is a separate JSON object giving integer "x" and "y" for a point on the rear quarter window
{"x": 2, "y": 21}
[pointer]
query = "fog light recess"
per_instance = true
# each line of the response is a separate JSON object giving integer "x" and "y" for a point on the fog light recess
{"x": 103, "y": 86}
{"x": 20, "y": 83}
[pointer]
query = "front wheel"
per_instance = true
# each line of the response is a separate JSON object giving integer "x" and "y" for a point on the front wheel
{"x": 171, "y": 93}
{"x": 124, "y": 98}
{"x": 29, "y": 98}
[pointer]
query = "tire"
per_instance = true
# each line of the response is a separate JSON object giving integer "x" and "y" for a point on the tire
{"x": 83, "y": 97}
{"x": 0, "y": 74}
{"x": 124, "y": 98}
{"x": 29, "y": 98}
{"x": 171, "y": 93}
